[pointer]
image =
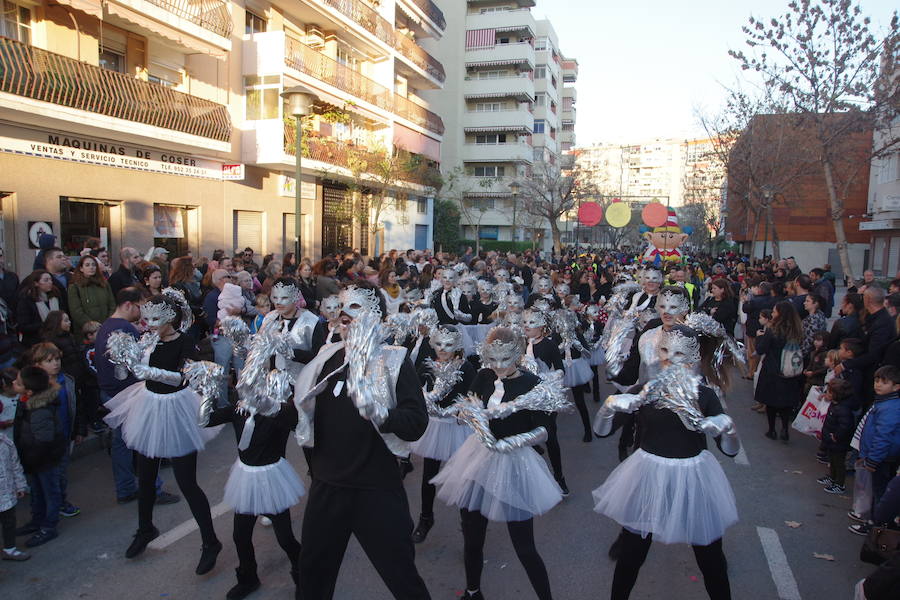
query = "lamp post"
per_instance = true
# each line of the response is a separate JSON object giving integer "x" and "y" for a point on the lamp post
{"x": 768, "y": 193}
{"x": 299, "y": 103}
{"x": 514, "y": 189}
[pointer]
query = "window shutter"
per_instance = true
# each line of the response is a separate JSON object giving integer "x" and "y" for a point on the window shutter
{"x": 248, "y": 230}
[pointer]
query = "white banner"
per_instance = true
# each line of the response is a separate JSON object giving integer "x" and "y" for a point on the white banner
{"x": 77, "y": 148}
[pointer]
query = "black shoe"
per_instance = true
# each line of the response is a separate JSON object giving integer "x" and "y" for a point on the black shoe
{"x": 562, "y": 485}
{"x": 784, "y": 435}
{"x": 246, "y": 585}
{"x": 141, "y": 539}
{"x": 127, "y": 499}
{"x": 167, "y": 498}
{"x": 422, "y": 529}
{"x": 470, "y": 596}
{"x": 406, "y": 467}
{"x": 41, "y": 537}
{"x": 587, "y": 438}
{"x": 208, "y": 558}
{"x": 27, "y": 529}
{"x": 772, "y": 435}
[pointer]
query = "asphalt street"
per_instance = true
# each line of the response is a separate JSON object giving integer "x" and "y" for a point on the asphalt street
{"x": 773, "y": 481}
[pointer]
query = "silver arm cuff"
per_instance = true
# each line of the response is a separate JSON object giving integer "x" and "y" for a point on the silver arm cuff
{"x": 520, "y": 440}
{"x": 146, "y": 373}
{"x": 603, "y": 422}
{"x": 730, "y": 443}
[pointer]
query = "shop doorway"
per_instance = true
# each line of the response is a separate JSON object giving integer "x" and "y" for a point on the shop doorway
{"x": 171, "y": 225}
{"x": 83, "y": 222}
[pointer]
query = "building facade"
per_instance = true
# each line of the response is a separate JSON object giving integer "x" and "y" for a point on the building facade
{"x": 884, "y": 208}
{"x": 161, "y": 122}
{"x": 507, "y": 98}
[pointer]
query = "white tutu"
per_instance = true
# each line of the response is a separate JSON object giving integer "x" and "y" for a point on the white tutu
{"x": 678, "y": 500}
{"x": 578, "y": 372}
{"x": 510, "y": 486}
{"x": 597, "y": 356}
{"x": 472, "y": 336}
{"x": 265, "y": 490}
{"x": 159, "y": 425}
{"x": 441, "y": 439}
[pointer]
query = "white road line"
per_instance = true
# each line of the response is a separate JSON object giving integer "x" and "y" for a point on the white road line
{"x": 741, "y": 457}
{"x": 778, "y": 564}
{"x": 179, "y": 531}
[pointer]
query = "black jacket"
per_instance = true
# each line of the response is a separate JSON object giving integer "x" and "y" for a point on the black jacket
{"x": 725, "y": 312}
{"x": 845, "y": 327}
{"x": 38, "y": 433}
{"x": 753, "y": 307}
{"x": 121, "y": 279}
{"x": 438, "y": 306}
{"x": 840, "y": 423}
{"x": 772, "y": 389}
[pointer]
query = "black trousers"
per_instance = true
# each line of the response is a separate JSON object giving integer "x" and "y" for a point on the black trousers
{"x": 595, "y": 383}
{"x": 553, "y": 452}
{"x": 430, "y": 468}
{"x": 185, "y": 470}
{"x": 521, "y": 533}
{"x": 8, "y": 524}
{"x": 710, "y": 559}
{"x": 381, "y": 523}
{"x": 243, "y": 540}
{"x": 578, "y": 397}
{"x": 784, "y": 413}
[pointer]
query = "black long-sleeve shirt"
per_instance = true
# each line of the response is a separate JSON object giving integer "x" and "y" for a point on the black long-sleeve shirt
{"x": 460, "y": 389}
{"x": 518, "y": 422}
{"x": 171, "y": 356}
{"x": 481, "y": 313}
{"x": 547, "y": 351}
{"x": 348, "y": 451}
{"x": 270, "y": 434}
{"x": 438, "y": 306}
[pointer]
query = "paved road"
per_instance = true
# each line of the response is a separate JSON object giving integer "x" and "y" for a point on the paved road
{"x": 773, "y": 482}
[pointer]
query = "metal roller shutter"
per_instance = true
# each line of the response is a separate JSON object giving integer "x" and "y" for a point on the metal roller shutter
{"x": 248, "y": 230}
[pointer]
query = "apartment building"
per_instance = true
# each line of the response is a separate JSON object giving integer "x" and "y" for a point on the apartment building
{"x": 161, "y": 122}
{"x": 506, "y": 98}
{"x": 883, "y": 206}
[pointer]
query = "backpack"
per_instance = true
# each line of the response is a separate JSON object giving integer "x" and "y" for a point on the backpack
{"x": 791, "y": 363}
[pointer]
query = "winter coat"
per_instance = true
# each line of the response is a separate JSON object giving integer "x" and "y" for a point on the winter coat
{"x": 12, "y": 478}
{"x": 772, "y": 389}
{"x": 838, "y": 422}
{"x": 845, "y": 327}
{"x": 753, "y": 307}
{"x": 38, "y": 434}
{"x": 880, "y": 439}
{"x": 724, "y": 311}
{"x": 89, "y": 303}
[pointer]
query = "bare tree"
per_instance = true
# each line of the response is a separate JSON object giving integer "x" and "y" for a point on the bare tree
{"x": 463, "y": 191}
{"x": 822, "y": 61}
{"x": 551, "y": 192}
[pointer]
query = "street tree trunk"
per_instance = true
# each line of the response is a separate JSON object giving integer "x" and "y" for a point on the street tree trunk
{"x": 837, "y": 213}
{"x": 557, "y": 236}
{"x": 756, "y": 219}
{"x": 776, "y": 250}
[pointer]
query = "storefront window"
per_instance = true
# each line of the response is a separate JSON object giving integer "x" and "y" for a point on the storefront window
{"x": 82, "y": 219}
{"x": 170, "y": 229}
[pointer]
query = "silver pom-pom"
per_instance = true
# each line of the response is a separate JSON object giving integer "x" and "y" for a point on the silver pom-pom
{"x": 235, "y": 329}
{"x": 676, "y": 388}
{"x": 124, "y": 352}
{"x": 619, "y": 334}
{"x": 204, "y": 377}
{"x": 446, "y": 376}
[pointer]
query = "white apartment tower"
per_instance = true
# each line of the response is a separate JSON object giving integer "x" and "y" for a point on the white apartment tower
{"x": 506, "y": 107}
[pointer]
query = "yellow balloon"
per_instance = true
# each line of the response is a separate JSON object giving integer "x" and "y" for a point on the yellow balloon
{"x": 618, "y": 214}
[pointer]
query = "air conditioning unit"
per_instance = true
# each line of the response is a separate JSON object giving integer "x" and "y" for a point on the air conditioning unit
{"x": 314, "y": 37}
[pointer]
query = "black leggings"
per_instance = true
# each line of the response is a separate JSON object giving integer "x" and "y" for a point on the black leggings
{"x": 633, "y": 550}
{"x": 784, "y": 413}
{"x": 8, "y": 524}
{"x": 243, "y": 540}
{"x": 595, "y": 384}
{"x": 521, "y": 533}
{"x": 430, "y": 468}
{"x": 578, "y": 397}
{"x": 185, "y": 470}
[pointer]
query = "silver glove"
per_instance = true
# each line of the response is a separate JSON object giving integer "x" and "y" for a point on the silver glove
{"x": 521, "y": 440}
{"x": 370, "y": 409}
{"x": 461, "y": 316}
{"x": 603, "y": 422}
{"x": 626, "y": 403}
{"x": 723, "y": 425}
{"x": 148, "y": 373}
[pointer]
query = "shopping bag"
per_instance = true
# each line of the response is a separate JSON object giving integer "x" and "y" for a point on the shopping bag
{"x": 862, "y": 491}
{"x": 812, "y": 414}
{"x": 857, "y": 435}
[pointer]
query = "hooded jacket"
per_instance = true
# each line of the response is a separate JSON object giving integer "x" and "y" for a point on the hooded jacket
{"x": 38, "y": 434}
{"x": 880, "y": 440}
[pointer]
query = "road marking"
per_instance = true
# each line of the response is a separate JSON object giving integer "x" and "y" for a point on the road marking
{"x": 778, "y": 564}
{"x": 741, "y": 457}
{"x": 179, "y": 531}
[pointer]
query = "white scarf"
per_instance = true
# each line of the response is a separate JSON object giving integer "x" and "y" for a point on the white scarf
{"x": 497, "y": 397}
{"x": 45, "y": 307}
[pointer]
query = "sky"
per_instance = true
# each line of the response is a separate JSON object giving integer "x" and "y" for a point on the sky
{"x": 647, "y": 66}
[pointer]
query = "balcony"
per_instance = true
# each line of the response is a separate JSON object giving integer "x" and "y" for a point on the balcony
{"x": 414, "y": 53}
{"x": 503, "y": 20}
{"x": 520, "y": 88}
{"x": 48, "y": 77}
{"x": 212, "y": 15}
{"x": 570, "y": 92}
{"x": 502, "y": 120}
{"x": 498, "y": 153}
{"x": 428, "y": 9}
{"x": 520, "y": 54}
{"x": 304, "y": 59}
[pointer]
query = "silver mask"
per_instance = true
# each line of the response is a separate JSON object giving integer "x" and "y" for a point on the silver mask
{"x": 330, "y": 307}
{"x": 502, "y": 355}
{"x": 445, "y": 340}
{"x": 468, "y": 287}
{"x": 652, "y": 276}
{"x": 671, "y": 303}
{"x": 449, "y": 278}
{"x": 534, "y": 319}
{"x": 284, "y": 295}
{"x": 543, "y": 286}
{"x": 541, "y": 305}
{"x": 502, "y": 275}
{"x": 512, "y": 319}
{"x": 356, "y": 300}
{"x": 157, "y": 313}
{"x": 562, "y": 290}
{"x": 485, "y": 287}
{"x": 593, "y": 311}
{"x": 514, "y": 302}
{"x": 680, "y": 346}
{"x": 426, "y": 317}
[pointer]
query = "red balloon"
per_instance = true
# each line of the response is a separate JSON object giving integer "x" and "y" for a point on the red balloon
{"x": 654, "y": 214}
{"x": 590, "y": 213}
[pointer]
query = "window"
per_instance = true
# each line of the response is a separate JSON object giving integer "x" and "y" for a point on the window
{"x": 553, "y": 80}
{"x": 538, "y": 126}
{"x": 491, "y": 138}
{"x": 253, "y": 23}
{"x": 540, "y": 72}
{"x": 112, "y": 60}
{"x": 165, "y": 75}
{"x": 553, "y": 107}
{"x": 248, "y": 230}
{"x": 401, "y": 203}
{"x": 489, "y": 171}
{"x": 347, "y": 57}
{"x": 15, "y": 22}
{"x": 540, "y": 99}
{"x": 488, "y": 106}
{"x": 493, "y": 74}
{"x": 422, "y": 206}
{"x": 489, "y": 232}
{"x": 540, "y": 43}
{"x": 503, "y": 40}
{"x": 261, "y": 97}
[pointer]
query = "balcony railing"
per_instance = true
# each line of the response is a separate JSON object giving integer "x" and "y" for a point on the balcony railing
{"x": 212, "y": 15}
{"x": 41, "y": 75}
{"x": 306, "y": 60}
{"x": 434, "y": 13}
{"x": 363, "y": 15}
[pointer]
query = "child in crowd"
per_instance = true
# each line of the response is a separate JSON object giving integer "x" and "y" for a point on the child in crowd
{"x": 48, "y": 357}
{"x": 851, "y": 348}
{"x": 264, "y": 307}
{"x": 765, "y": 318}
{"x": 832, "y": 359}
{"x": 12, "y": 487}
{"x": 879, "y": 445}
{"x": 41, "y": 443}
{"x": 837, "y": 431}
{"x": 90, "y": 389}
{"x": 815, "y": 366}
{"x": 8, "y": 400}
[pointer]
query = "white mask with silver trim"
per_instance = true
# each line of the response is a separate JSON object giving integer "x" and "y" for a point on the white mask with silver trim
{"x": 446, "y": 340}
{"x": 156, "y": 314}
{"x": 330, "y": 307}
{"x": 284, "y": 295}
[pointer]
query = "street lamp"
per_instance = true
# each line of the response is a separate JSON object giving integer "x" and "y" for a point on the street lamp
{"x": 768, "y": 193}
{"x": 299, "y": 103}
{"x": 514, "y": 188}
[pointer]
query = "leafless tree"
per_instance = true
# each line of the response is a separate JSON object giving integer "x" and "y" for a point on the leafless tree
{"x": 551, "y": 192}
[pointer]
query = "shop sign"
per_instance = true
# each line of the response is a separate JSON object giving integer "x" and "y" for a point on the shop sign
{"x": 77, "y": 148}
{"x": 233, "y": 172}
